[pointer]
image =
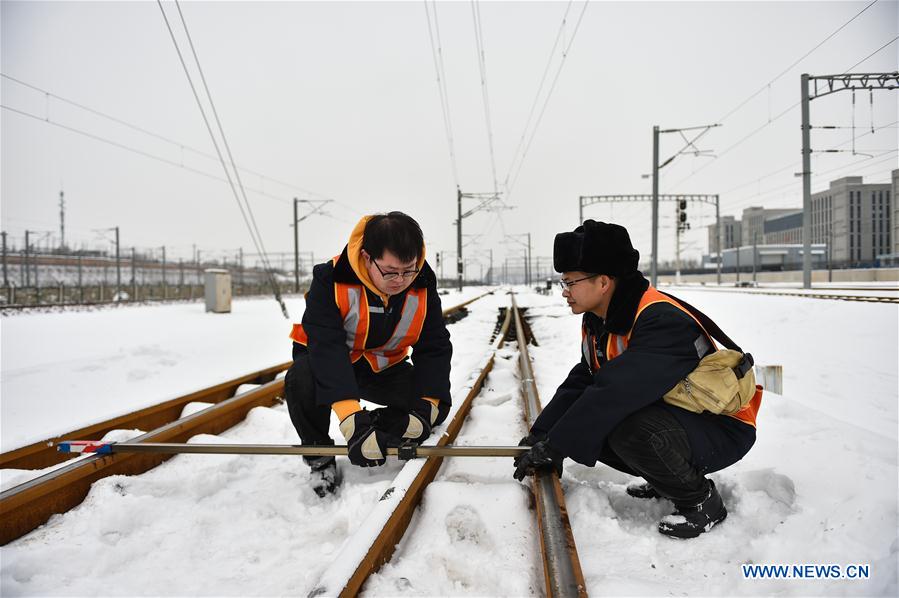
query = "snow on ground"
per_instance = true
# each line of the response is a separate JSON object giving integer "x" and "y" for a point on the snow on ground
{"x": 217, "y": 524}
{"x": 820, "y": 486}
{"x": 60, "y": 371}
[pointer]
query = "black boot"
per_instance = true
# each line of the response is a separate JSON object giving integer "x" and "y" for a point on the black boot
{"x": 690, "y": 521}
{"x": 644, "y": 490}
{"x": 325, "y": 475}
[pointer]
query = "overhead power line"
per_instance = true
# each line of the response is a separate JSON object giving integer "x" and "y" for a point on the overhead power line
{"x": 798, "y": 163}
{"x": 437, "y": 54}
{"x": 527, "y": 124}
{"x": 546, "y": 101}
{"x": 819, "y": 176}
{"x": 754, "y": 132}
{"x": 872, "y": 54}
{"x": 221, "y": 129}
{"x": 139, "y": 152}
{"x": 796, "y": 62}
{"x": 254, "y": 232}
{"x": 482, "y": 67}
{"x": 179, "y": 144}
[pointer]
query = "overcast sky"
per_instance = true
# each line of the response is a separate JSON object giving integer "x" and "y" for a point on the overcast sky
{"x": 341, "y": 101}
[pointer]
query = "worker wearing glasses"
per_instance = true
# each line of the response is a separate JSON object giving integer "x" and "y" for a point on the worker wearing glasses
{"x": 637, "y": 344}
{"x": 366, "y": 310}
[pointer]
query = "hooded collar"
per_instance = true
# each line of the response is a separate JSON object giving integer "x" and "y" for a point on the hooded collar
{"x": 350, "y": 267}
{"x": 629, "y": 290}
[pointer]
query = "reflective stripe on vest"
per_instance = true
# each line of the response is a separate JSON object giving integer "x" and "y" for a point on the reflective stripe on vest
{"x": 406, "y": 333}
{"x": 352, "y": 301}
{"x": 353, "y": 305}
{"x": 617, "y": 344}
{"x": 588, "y": 349}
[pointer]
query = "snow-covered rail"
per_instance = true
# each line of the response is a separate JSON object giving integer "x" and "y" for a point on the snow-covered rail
{"x": 40, "y": 455}
{"x": 561, "y": 565}
{"x": 377, "y": 538}
{"x": 44, "y": 454}
{"x": 829, "y": 293}
{"x": 28, "y": 505}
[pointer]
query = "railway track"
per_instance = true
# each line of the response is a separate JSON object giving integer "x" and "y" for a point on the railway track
{"x": 820, "y": 295}
{"x": 26, "y": 506}
{"x": 376, "y": 539}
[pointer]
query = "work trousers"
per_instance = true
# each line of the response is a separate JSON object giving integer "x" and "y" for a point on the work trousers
{"x": 393, "y": 387}
{"x": 653, "y": 444}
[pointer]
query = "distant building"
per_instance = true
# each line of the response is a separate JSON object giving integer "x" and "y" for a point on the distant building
{"x": 895, "y": 231}
{"x": 854, "y": 219}
{"x": 857, "y": 222}
{"x": 778, "y": 256}
{"x": 785, "y": 229}
{"x": 753, "y": 222}
{"x": 730, "y": 231}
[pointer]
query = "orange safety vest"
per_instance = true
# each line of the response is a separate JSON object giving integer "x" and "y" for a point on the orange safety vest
{"x": 617, "y": 344}
{"x": 352, "y": 301}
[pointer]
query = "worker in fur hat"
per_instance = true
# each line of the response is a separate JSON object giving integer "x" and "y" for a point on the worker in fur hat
{"x": 637, "y": 343}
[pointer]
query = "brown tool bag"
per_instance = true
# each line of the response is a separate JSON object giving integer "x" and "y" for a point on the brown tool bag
{"x": 723, "y": 382}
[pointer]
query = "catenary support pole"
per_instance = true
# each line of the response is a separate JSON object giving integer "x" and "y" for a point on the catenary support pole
{"x": 5, "y": 279}
{"x": 720, "y": 236}
{"x": 118, "y": 267}
{"x": 806, "y": 188}
{"x": 165, "y": 288}
{"x": 296, "y": 247}
{"x": 459, "y": 268}
{"x": 654, "y": 267}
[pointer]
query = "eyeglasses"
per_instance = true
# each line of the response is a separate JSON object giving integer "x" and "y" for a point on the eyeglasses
{"x": 567, "y": 284}
{"x": 393, "y": 275}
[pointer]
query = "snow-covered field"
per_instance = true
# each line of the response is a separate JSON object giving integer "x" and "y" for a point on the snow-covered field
{"x": 820, "y": 486}
{"x": 63, "y": 370}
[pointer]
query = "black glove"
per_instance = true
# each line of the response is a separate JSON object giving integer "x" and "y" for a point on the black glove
{"x": 541, "y": 457}
{"x": 531, "y": 439}
{"x": 366, "y": 445}
{"x": 400, "y": 425}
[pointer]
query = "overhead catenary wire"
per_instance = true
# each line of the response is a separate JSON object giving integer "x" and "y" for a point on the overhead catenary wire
{"x": 527, "y": 123}
{"x": 137, "y": 151}
{"x": 857, "y": 165}
{"x": 482, "y": 67}
{"x": 221, "y": 129}
{"x": 871, "y": 55}
{"x": 798, "y": 163}
{"x": 546, "y": 101}
{"x": 253, "y": 233}
{"x": 179, "y": 144}
{"x": 437, "y": 54}
{"x": 770, "y": 121}
{"x": 767, "y": 85}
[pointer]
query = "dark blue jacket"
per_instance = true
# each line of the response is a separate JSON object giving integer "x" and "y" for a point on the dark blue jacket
{"x": 335, "y": 375}
{"x": 662, "y": 351}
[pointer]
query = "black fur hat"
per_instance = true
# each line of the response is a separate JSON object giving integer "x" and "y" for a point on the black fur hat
{"x": 597, "y": 248}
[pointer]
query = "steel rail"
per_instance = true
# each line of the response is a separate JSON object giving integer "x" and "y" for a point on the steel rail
{"x": 561, "y": 565}
{"x": 43, "y": 454}
{"x": 752, "y": 291}
{"x": 26, "y": 506}
{"x": 40, "y": 455}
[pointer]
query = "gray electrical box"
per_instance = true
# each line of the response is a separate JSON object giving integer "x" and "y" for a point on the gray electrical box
{"x": 218, "y": 291}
